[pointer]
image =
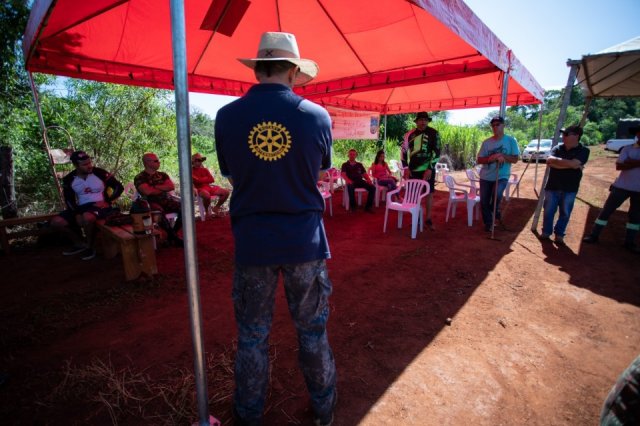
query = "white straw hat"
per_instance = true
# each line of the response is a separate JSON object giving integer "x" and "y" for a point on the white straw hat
{"x": 275, "y": 46}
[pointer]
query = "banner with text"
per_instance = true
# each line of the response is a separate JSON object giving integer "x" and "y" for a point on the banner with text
{"x": 347, "y": 124}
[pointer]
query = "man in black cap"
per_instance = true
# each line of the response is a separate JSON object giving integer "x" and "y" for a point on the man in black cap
{"x": 88, "y": 193}
{"x": 626, "y": 185}
{"x": 420, "y": 153}
{"x": 565, "y": 162}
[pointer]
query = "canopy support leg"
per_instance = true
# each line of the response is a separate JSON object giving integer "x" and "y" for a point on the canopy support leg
{"x": 45, "y": 139}
{"x": 575, "y": 66}
{"x": 178, "y": 40}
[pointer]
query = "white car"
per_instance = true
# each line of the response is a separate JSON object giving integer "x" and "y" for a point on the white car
{"x": 531, "y": 151}
{"x": 616, "y": 145}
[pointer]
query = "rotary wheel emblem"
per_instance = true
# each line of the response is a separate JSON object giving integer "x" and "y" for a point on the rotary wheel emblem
{"x": 269, "y": 141}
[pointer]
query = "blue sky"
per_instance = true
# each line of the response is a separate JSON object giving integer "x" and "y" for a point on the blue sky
{"x": 543, "y": 34}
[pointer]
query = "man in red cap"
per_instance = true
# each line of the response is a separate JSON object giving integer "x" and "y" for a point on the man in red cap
{"x": 203, "y": 183}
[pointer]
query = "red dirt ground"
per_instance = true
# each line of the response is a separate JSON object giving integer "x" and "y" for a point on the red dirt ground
{"x": 538, "y": 335}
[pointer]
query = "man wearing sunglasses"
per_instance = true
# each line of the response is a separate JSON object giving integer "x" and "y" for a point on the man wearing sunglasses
{"x": 496, "y": 155}
{"x": 155, "y": 186}
{"x": 565, "y": 163}
{"x": 203, "y": 183}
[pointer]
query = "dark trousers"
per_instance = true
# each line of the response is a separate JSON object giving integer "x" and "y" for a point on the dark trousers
{"x": 371, "y": 190}
{"x": 487, "y": 193}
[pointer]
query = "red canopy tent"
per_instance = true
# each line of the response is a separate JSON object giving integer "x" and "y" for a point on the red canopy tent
{"x": 391, "y": 56}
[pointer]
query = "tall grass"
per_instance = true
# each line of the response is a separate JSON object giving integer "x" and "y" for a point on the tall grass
{"x": 459, "y": 146}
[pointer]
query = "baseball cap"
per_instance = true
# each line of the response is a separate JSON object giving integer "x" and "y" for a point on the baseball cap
{"x": 79, "y": 156}
{"x": 572, "y": 129}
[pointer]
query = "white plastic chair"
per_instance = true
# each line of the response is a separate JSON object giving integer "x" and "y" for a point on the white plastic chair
{"x": 513, "y": 181}
{"x": 326, "y": 195}
{"x": 381, "y": 191}
{"x": 457, "y": 194}
{"x": 415, "y": 191}
{"x": 358, "y": 193}
{"x": 442, "y": 169}
{"x": 334, "y": 178}
{"x": 396, "y": 167}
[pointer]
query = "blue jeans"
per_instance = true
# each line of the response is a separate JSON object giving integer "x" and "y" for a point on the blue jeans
{"x": 562, "y": 202}
{"x": 307, "y": 288}
{"x": 487, "y": 192}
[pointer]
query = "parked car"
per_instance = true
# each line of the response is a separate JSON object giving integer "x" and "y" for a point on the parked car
{"x": 616, "y": 145}
{"x": 531, "y": 151}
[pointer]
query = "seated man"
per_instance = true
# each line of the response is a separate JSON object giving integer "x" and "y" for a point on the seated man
{"x": 88, "y": 193}
{"x": 155, "y": 186}
{"x": 203, "y": 183}
{"x": 355, "y": 175}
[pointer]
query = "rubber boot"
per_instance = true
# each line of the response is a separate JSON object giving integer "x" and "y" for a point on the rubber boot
{"x": 595, "y": 234}
{"x": 630, "y": 238}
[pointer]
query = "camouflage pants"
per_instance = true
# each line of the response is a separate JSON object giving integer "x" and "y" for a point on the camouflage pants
{"x": 307, "y": 288}
{"x": 622, "y": 406}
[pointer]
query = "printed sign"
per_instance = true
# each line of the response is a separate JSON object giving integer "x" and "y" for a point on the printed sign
{"x": 347, "y": 124}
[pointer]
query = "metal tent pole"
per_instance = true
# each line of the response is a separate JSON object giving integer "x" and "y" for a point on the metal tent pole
{"x": 45, "y": 139}
{"x": 505, "y": 89}
{"x": 535, "y": 172}
{"x": 178, "y": 39}
{"x": 575, "y": 66}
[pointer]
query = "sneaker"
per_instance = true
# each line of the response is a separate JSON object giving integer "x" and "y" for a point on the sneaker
{"x": 327, "y": 420}
{"x": 590, "y": 239}
{"x": 74, "y": 250}
{"x": 544, "y": 237}
{"x": 88, "y": 254}
{"x": 559, "y": 241}
{"x": 319, "y": 422}
{"x": 177, "y": 242}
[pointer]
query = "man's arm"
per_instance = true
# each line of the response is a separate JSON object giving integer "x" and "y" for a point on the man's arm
{"x": 151, "y": 188}
{"x": 345, "y": 177}
{"x": 561, "y": 163}
{"x": 626, "y": 163}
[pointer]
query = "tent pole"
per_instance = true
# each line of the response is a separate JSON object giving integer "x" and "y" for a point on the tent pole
{"x": 575, "y": 66}
{"x": 587, "y": 108}
{"x": 45, "y": 139}
{"x": 179, "y": 45}
{"x": 385, "y": 129}
{"x": 535, "y": 171}
{"x": 505, "y": 90}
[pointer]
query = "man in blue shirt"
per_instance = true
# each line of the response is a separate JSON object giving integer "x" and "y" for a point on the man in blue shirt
{"x": 273, "y": 145}
{"x": 496, "y": 155}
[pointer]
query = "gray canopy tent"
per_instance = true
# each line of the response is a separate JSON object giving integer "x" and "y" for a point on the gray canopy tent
{"x": 611, "y": 73}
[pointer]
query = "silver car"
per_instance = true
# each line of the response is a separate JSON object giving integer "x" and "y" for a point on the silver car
{"x": 532, "y": 151}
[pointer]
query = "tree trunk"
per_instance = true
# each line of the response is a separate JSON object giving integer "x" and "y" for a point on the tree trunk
{"x": 7, "y": 188}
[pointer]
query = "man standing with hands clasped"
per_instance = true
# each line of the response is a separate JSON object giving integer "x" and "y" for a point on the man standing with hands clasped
{"x": 496, "y": 155}
{"x": 420, "y": 153}
{"x": 272, "y": 146}
{"x": 565, "y": 163}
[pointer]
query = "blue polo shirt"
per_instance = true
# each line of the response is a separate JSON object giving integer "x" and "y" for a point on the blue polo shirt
{"x": 506, "y": 145}
{"x": 272, "y": 143}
